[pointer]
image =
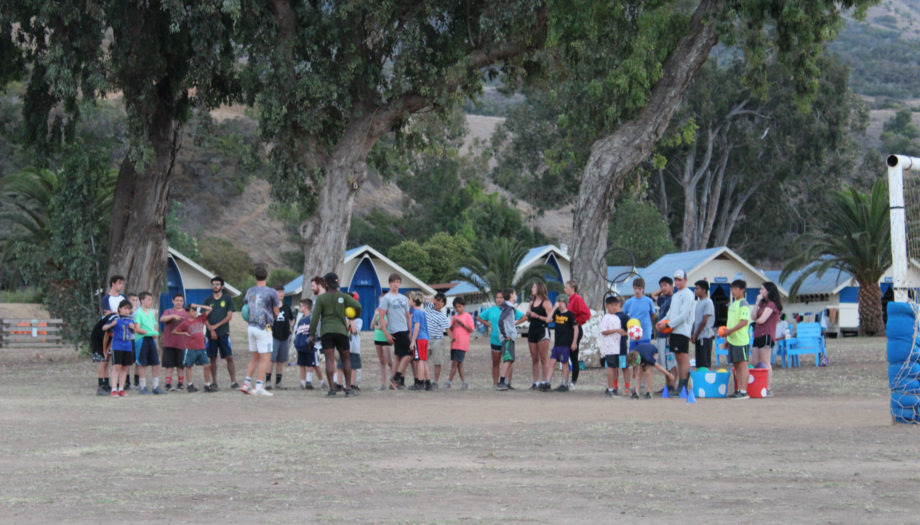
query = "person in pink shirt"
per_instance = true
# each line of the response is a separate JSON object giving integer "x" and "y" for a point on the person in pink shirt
{"x": 173, "y": 343}
{"x": 194, "y": 329}
{"x": 461, "y": 326}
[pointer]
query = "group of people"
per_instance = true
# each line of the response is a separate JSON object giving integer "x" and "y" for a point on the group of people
{"x": 423, "y": 338}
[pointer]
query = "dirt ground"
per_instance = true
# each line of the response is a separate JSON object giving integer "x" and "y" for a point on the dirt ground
{"x": 823, "y": 450}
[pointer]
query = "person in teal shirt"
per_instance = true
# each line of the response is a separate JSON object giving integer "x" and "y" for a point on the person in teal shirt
{"x": 489, "y": 317}
{"x": 146, "y": 319}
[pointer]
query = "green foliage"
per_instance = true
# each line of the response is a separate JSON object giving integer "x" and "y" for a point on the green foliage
{"x": 899, "y": 135}
{"x": 411, "y": 256}
{"x": 377, "y": 229}
{"x": 226, "y": 260}
{"x": 639, "y": 227}
{"x": 29, "y": 294}
{"x": 884, "y": 63}
{"x": 65, "y": 261}
{"x": 293, "y": 259}
{"x": 177, "y": 238}
{"x": 494, "y": 264}
{"x": 445, "y": 252}
{"x": 281, "y": 276}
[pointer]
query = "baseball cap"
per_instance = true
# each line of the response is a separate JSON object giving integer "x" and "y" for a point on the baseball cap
{"x": 679, "y": 274}
{"x": 332, "y": 280}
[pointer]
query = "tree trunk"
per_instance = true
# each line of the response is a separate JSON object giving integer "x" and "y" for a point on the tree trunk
{"x": 870, "y": 308}
{"x": 617, "y": 154}
{"x": 137, "y": 238}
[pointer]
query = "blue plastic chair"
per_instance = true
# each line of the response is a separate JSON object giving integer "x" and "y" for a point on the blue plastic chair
{"x": 808, "y": 340}
{"x": 717, "y": 345}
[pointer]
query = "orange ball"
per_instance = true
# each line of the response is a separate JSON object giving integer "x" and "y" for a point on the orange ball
{"x": 722, "y": 331}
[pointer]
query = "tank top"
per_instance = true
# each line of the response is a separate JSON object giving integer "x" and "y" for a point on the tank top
{"x": 768, "y": 327}
{"x": 537, "y": 326}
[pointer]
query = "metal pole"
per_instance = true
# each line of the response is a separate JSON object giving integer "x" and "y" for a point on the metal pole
{"x": 896, "y": 166}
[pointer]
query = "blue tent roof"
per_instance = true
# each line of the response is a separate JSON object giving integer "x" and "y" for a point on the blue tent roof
{"x": 827, "y": 283}
{"x": 294, "y": 285}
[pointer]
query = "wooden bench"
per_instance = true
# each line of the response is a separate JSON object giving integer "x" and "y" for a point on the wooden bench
{"x": 31, "y": 333}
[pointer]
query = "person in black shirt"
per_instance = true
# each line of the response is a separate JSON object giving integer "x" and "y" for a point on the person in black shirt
{"x": 566, "y": 341}
{"x": 281, "y": 345}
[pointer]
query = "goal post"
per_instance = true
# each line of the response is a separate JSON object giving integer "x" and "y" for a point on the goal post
{"x": 897, "y": 165}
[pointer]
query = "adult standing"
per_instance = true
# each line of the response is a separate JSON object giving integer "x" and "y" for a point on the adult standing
{"x": 329, "y": 309}
{"x": 704, "y": 319}
{"x": 111, "y": 300}
{"x": 680, "y": 320}
{"x": 395, "y": 319}
{"x": 539, "y": 315}
{"x": 264, "y": 306}
{"x": 582, "y": 313}
{"x": 766, "y": 314}
{"x": 219, "y": 331}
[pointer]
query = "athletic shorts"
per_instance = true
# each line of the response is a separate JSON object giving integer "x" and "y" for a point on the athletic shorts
{"x": 173, "y": 357}
{"x": 222, "y": 344}
{"x": 507, "y": 351}
{"x": 437, "y": 351}
{"x": 495, "y": 348}
{"x": 535, "y": 336}
{"x": 738, "y": 354}
{"x": 561, "y": 354}
{"x": 457, "y": 355}
{"x": 196, "y": 357}
{"x": 381, "y": 343}
{"x": 401, "y": 344}
{"x": 764, "y": 341}
{"x": 260, "y": 340}
{"x": 680, "y": 344}
{"x": 335, "y": 342}
{"x": 612, "y": 361}
{"x": 148, "y": 356}
{"x": 281, "y": 350}
{"x": 306, "y": 357}
{"x": 421, "y": 350}
{"x": 123, "y": 358}
{"x": 354, "y": 361}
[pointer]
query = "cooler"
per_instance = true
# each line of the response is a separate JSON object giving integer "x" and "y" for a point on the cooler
{"x": 757, "y": 382}
{"x": 709, "y": 383}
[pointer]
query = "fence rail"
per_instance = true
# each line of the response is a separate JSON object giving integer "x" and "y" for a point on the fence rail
{"x": 30, "y": 333}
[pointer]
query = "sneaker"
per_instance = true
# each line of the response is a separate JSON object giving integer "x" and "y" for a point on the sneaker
{"x": 394, "y": 383}
{"x": 510, "y": 387}
{"x": 234, "y": 385}
{"x": 168, "y": 387}
{"x": 207, "y": 388}
{"x": 158, "y": 391}
{"x": 428, "y": 387}
{"x": 214, "y": 387}
{"x": 544, "y": 387}
{"x": 180, "y": 386}
{"x": 635, "y": 395}
{"x": 128, "y": 387}
{"x": 464, "y": 386}
{"x": 647, "y": 396}
{"x": 356, "y": 388}
{"x": 562, "y": 388}
{"x": 351, "y": 392}
{"x": 101, "y": 391}
{"x": 261, "y": 392}
{"x": 114, "y": 393}
{"x": 571, "y": 386}
{"x": 447, "y": 385}
{"x": 661, "y": 391}
{"x": 740, "y": 395}
{"x": 339, "y": 388}
{"x": 434, "y": 386}
{"x": 268, "y": 386}
{"x": 121, "y": 393}
{"x": 414, "y": 388}
{"x": 246, "y": 388}
{"x": 309, "y": 386}
{"x": 323, "y": 385}
{"x": 608, "y": 393}
{"x": 616, "y": 392}
{"x": 144, "y": 391}
{"x": 192, "y": 389}
{"x": 501, "y": 387}
{"x": 534, "y": 386}
{"x": 330, "y": 393}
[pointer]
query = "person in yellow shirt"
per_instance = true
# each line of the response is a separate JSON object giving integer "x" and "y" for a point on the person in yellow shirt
{"x": 737, "y": 339}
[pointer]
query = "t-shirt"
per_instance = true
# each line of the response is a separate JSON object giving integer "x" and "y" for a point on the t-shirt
{"x": 461, "y": 335}
{"x": 123, "y": 335}
{"x": 738, "y": 311}
{"x": 624, "y": 341}
{"x": 281, "y": 328}
{"x": 262, "y": 301}
{"x": 437, "y": 321}
{"x": 220, "y": 308}
{"x": 354, "y": 339}
{"x": 396, "y": 306}
{"x": 110, "y": 303}
{"x": 565, "y": 328}
{"x": 195, "y": 327}
{"x": 769, "y": 326}
{"x": 647, "y": 351}
{"x": 330, "y": 309}
{"x": 491, "y": 315}
{"x": 147, "y": 320}
{"x": 705, "y": 307}
{"x": 418, "y": 318}
{"x": 664, "y": 305}
{"x": 97, "y": 336}
{"x": 171, "y": 340}
{"x": 610, "y": 344}
{"x": 302, "y": 335}
{"x": 642, "y": 309}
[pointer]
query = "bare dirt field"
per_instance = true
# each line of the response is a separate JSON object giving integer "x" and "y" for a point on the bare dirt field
{"x": 823, "y": 450}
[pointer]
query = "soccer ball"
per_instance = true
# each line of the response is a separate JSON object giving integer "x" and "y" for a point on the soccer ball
{"x": 350, "y": 312}
{"x": 635, "y": 332}
{"x": 245, "y": 312}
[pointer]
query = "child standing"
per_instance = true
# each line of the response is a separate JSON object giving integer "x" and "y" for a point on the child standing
{"x": 306, "y": 354}
{"x": 737, "y": 339}
{"x": 174, "y": 345}
{"x": 624, "y": 350}
{"x": 461, "y": 326}
{"x": 281, "y": 344}
{"x": 146, "y": 319}
{"x": 611, "y": 332}
{"x": 354, "y": 342}
{"x": 194, "y": 329}
{"x": 100, "y": 343}
{"x": 566, "y": 342}
{"x": 419, "y": 337}
{"x": 507, "y": 331}
{"x": 642, "y": 359}
{"x": 123, "y": 328}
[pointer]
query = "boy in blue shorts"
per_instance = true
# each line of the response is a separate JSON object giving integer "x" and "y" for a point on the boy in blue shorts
{"x": 306, "y": 353}
{"x": 123, "y": 328}
{"x": 566, "y": 341}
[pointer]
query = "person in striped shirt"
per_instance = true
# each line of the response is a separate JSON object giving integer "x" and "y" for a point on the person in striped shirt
{"x": 437, "y": 327}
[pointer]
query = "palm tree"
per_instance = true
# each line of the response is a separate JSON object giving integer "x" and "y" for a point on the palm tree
{"x": 495, "y": 263}
{"x": 857, "y": 240}
{"x": 25, "y": 199}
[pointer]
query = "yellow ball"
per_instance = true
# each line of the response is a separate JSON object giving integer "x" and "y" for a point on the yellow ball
{"x": 350, "y": 312}
{"x": 633, "y": 322}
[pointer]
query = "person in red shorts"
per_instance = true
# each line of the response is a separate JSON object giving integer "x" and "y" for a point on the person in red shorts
{"x": 419, "y": 338}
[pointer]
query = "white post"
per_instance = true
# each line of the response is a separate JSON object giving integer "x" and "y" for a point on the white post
{"x": 896, "y": 166}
